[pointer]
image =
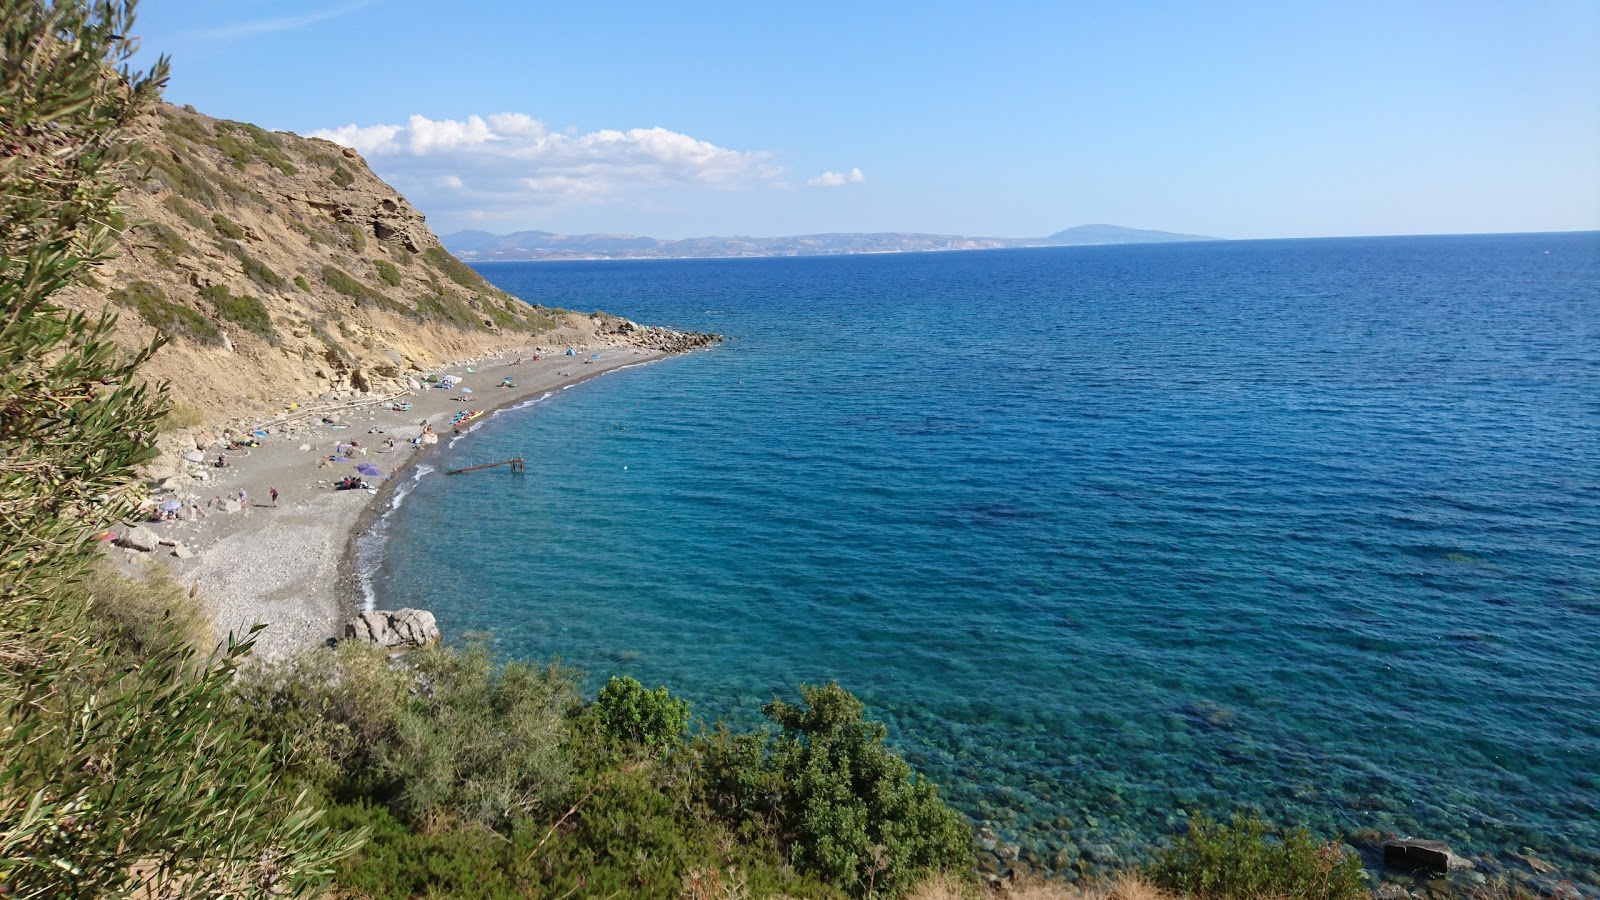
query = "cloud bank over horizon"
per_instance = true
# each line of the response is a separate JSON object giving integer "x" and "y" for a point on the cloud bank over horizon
{"x": 490, "y": 166}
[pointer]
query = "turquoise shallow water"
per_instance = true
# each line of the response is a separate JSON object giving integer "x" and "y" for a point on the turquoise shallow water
{"x": 1104, "y": 534}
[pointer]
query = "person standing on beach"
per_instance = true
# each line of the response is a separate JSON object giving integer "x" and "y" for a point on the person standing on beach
{"x": 244, "y": 505}
{"x": 274, "y": 493}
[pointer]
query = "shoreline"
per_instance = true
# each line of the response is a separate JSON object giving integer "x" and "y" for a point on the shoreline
{"x": 349, "y": 590}
{"x": 293, "y": 565}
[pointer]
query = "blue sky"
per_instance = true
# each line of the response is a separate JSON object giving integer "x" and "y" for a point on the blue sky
{"x": 1239, "y": 120}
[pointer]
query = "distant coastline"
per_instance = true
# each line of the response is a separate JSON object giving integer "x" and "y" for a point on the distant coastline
{"x": 538, "y": 246}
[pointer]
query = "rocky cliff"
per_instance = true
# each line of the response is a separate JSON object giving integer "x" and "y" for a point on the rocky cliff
{"x": 283, "y": 268}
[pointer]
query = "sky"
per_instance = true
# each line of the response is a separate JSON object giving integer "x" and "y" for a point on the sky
{"x": 1005, "y": 119}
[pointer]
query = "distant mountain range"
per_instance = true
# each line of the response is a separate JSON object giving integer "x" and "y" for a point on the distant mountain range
{"x": 481, "y": 246}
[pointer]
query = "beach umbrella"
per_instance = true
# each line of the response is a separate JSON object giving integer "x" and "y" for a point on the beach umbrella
{"x": 466, "y": 390}
{"x": 171, "y": 506}
{"x": 369, "y": 470}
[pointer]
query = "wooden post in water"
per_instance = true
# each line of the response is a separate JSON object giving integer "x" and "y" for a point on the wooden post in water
{"x": 515, "y": 463}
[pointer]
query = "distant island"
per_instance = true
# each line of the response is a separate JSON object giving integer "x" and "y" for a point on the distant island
{"x": 482, "y": 246}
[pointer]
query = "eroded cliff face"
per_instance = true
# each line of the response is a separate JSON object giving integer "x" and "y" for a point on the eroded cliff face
{"x": 283, "y": 269}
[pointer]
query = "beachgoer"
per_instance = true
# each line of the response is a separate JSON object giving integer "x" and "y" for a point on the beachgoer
{"x": 197, "y": 509}
{"x": 244, "y": 502}
{"x": 274, "y": 493}
{"x": 222, "y": 461}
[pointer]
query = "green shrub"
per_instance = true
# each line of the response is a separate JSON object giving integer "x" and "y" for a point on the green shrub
{"x": 329, "y": 342}
{"x": 181, "y": 176}
{"x": 341, "y": 176}
{"x": 455, "y": 270}
{"x": 307, "y": 232}
{"x": 629, "y": 714}
{"x": 255, "y": 269}
{"x": 859, "y": 816}
{"x": 146, "y": 615}
{"x": 172, "y": 318}
{"x": 387, "y": 273}
{"x": 192, "y": 130}
{"x": 233, "y": 190}
{"x": 165, "y": 245}
{"x": 248, "y": 312}
{"x": 329, "y": 715}
{"x": 1239, "y": 861}
{"x": 356, "y": 235}
{"x": 182, "y": 415}
{"x": 187, "y": 212}
{"x": 482, "y": 743}
{"x": 449, "y": 308}
{"x": 342, "y": 282}
{"x": 301, "y": 283}
{"x": 226, "y": 227}
{"x": 125, "y": 775}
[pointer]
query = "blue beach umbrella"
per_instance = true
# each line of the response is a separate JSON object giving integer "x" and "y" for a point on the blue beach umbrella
{"x": 171, "y": 506}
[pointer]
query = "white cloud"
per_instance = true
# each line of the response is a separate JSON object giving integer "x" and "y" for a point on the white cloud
{"x": 837, "y": 179}
{"x": 512, "y": 160}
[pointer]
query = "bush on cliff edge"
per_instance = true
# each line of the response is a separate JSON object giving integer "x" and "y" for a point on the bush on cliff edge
{"x": 1213, "y": 861}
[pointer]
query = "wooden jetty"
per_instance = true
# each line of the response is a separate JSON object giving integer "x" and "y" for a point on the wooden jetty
{"x": 517, "y": 468}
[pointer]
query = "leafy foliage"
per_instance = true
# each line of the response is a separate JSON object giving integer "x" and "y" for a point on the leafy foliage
{"x": 259, "y": 144}
{"x": 341, "y": 281}
{"x": 255, "y": 269}
{"x": 226, "y": 227}
{"x": 455, "y": 270}
{"x": 249, "y": 312}
{"x": 172, "y": 319}
{"x": 854, "y": 812}
{"x": 1213, "y": 861}
{"x": 187, "y": 212}
{"x": 629, "y": 714}
{"x": 482, "y": 742}
{"x": 145, "y": 614}
{"x": 164, "y": 244}
{"x": 387, "y": 273}
{"x": 356, "y": 235}
{"x": 121, "y": 771}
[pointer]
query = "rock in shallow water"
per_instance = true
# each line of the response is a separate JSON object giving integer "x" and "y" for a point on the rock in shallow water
{"x": 402, "y": 629}
{"x": 1414, "y": 853}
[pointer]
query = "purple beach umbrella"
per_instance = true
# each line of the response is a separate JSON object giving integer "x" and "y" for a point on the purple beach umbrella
{"x": 369, "y": 470}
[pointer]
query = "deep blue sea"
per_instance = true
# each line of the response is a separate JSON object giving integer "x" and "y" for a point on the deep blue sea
{"x": 1104, "y": 534}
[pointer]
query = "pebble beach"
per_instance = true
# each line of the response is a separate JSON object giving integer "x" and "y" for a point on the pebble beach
{"x": 286, "y": 564}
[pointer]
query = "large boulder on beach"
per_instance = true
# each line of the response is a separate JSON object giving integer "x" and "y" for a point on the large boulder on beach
{"x": 1415, "y": 853}
{"x": 399, "y": 630}
{"x": 139, "y": 538}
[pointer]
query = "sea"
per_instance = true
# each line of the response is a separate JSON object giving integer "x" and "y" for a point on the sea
{"x": 1105, "y": 535}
